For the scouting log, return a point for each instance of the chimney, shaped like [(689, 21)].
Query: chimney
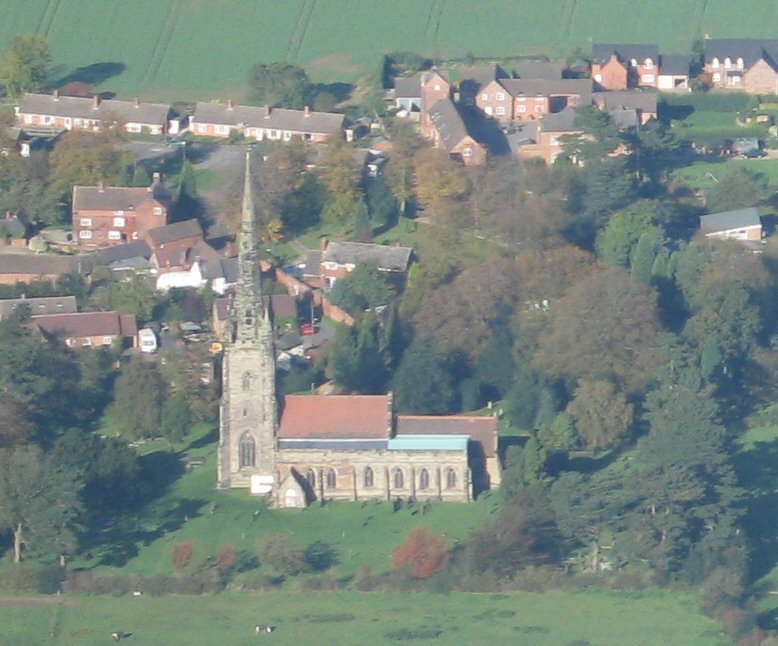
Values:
[(307, 111), (267, 111), (56, 95), (230, 104), (95, 102), (137, 101)]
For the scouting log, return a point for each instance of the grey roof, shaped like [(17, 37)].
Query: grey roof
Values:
[(326, 123), (283, 305), (546, 87), (288, 340), (626, 100), (176, 231), (675, 65), (407, 87), (42, 305), (750, 50), (478, 75), (334, 445), (83, 108), (226, 268), (625, 118), (388, 258), (563, 121), (538, 70), (121, 252), (727, 220), (625, 52), (110, 198), (312, 262), (44, 264), (448, 122)]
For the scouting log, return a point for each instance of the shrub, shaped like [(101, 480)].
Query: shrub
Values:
[(423, 554), (256, 581), (226, 559), (325, 583), (278, 552), (182, 554), (20, 577), (320, 556), (50, 579)]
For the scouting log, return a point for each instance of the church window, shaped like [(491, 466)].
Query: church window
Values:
[(332, 479), (451, 479), (246, 381), (368, 477), (246, 451), (398, 477), (310, 476), (424, 479)]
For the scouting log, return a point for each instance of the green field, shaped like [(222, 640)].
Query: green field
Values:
[(203, 48), (594, 617), (704, 174)]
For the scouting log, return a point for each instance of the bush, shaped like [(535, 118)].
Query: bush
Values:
[(226, 559), (90, 583), (320, 556), (423, 554), (259, 582), (50, 579), (278, 552), (182, 554), (325, 583), (19, 577), (713, 101)]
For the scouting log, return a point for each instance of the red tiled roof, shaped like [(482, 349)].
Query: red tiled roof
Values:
[(335, 417), (480, 428), (128, 324), (83, 324)]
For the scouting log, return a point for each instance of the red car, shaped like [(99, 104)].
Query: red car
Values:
[(306, 329)]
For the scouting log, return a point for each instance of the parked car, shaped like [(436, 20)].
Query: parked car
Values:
[(306, 329)]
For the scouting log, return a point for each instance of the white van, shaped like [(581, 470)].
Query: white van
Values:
[(148, 340)]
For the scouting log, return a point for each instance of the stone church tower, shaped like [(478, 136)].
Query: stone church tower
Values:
[(249, 411)]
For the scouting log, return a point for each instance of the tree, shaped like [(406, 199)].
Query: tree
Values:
[(278, 551), (135, 296), (560, 435), (38, 501), (25, 189), (136, 409), (176, 416), (363, 228), (617, 241), (423, 382), (26, 65), (441, 185), (340, 177), (601, 414), (362, 289), (82, 157), (422, 555), (644, 257), (737, 188), (280, 84), (381, 203), (400, 169), (356, 360)]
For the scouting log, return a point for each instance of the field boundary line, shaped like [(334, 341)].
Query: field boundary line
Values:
[(440, 9), (56, 5), (300, 30), (42, 20), (161, 44)]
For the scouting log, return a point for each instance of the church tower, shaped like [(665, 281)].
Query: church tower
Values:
[(249, 412)]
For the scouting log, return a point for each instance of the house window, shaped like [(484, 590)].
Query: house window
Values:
[(85, 234), (740, 63), (310, 476), (47, 119), (734, 79), (522, 108), (648, 63), (437, 87), (245, 381), (715, 63), (451, 479), (648, 78), (85, 222), (500, 110), (484, 97), (500, 96), (223, 130), (424, 479), (114, 235), (202, 128), (467, 152), (538, 108), (275, 134), (119, 222), (87, 340), (157, 210), (727, 62), (69, 342), (398, 478), (118, 212), (246, 451), (107, 340), (332, 479), (598, 77), (633, 62), (368, 478), (717, 78)]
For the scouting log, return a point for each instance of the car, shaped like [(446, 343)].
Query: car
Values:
[(306, 329)]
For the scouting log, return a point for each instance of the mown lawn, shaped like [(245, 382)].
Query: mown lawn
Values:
[(595, 617), (704, 174)]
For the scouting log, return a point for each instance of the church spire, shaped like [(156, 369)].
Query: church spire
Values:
[(248, 219)]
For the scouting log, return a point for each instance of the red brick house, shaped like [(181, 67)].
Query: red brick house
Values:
[(643, 104), (31, 267), (55, 112), (106, 216), (742, 64), (435, 87), (449, 131), (524, 99), (620, 67), (339, 259), (548, 141), (88, 329)]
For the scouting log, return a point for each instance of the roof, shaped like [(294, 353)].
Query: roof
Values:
[(478, 75), (538, 70), (644, 100), (283, 305), (87, 324), (226, 268), (563, 121), (326, 123), (738, 219), (750, 50), (428, 443), (675, 65), (407, 87), (625, 118), (312, 262), (388, 258), (123, 252), (448, 122), (40, 305), (548, 87), (175, 232), (334, 445), (109, 198), (624, 52), (222, 306), (481, 429), (43, 264), (83, 108), (335, 417)]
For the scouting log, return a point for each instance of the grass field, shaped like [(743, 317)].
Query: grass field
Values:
[(593, 617), (204, 48), (703, 174)]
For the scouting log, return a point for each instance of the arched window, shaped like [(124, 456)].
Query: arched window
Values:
[(727, 62), (310, 476), (398, 478), (451, 479), (246, 451), (331, 479), (368, 477), (714, 63), (424, 479), (245, 381), (740, 63), (648, 63)]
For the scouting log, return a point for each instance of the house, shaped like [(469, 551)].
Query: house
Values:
[(674, 72), (742, 64), (30, 267), (38, 305), (472, 79), (523, 99), (87, 329), (548, 142), (124, 259), (434, 86), (620, 67), (551, 71), (264, 123), (407, 95), (341, 258), (640, 105), (113, 215), (54, 112), (741, 224), (450, 132)]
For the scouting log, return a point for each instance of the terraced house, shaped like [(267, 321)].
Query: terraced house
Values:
[(742, 64)]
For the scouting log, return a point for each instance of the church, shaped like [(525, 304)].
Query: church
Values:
[(297, 449)]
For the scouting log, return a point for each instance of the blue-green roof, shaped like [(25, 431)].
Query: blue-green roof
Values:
[(428, 443)]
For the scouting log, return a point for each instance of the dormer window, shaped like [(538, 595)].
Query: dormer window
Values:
[(648, 63), (727, 62), (740, 63), (633, 62), (715, 63)]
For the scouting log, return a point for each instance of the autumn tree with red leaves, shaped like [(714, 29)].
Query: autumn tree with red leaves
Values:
[(423, 554)]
